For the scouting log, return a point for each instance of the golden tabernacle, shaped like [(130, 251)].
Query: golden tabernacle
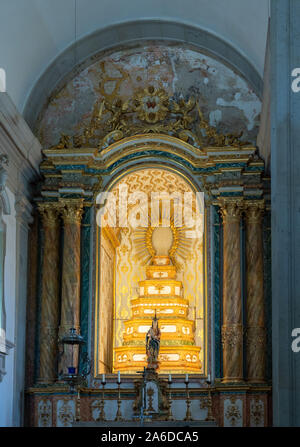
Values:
[(160, 293)]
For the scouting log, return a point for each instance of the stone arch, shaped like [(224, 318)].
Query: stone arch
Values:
[(103, 356), (128, 33)]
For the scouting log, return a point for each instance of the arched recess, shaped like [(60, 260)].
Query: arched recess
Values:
[(119, 270), (227, 171), (93, 46)]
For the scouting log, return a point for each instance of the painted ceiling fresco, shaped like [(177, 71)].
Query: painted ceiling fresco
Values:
[(225, 98)]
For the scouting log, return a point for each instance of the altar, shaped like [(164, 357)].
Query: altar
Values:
[(163, 224)]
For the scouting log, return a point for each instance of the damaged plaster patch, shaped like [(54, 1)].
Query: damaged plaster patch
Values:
[(225, 98), (249, 108), (215, 117)]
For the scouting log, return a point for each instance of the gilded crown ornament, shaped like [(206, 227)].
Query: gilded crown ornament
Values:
[(152, 104)]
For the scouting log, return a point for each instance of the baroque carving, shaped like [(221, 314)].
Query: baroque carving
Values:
[(44, 413), (150, 110), (233, 414), (254, 211), (232, 335), (49, 213), (71, 210), (65, 412), (255, 337), (231, 209), (257, 412)]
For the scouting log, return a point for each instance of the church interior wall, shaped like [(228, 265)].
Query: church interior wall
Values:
[(19, 165), (229, 100), (6, 403), (184, 71)]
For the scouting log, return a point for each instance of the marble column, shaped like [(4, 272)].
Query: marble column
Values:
[(255, 332), (71, 210), (285, 208), (50, 293), (232, 328)]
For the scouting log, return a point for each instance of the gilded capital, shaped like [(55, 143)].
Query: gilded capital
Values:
[(254, 210), (50, 213), (231, 208), (71, 210)]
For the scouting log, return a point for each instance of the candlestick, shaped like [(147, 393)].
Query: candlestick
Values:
[(209, 416), (102, 412), (119, 414), (77, 415), (170, 415), (188, 416)]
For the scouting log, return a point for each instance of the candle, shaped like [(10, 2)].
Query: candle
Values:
[(119, 377), (143, 398), (208, 377), (170, 378), (103, 378), (186, 377)]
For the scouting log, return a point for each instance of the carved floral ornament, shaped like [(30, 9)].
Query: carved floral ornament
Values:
[(70, 210), (231, 209), (150, 110)]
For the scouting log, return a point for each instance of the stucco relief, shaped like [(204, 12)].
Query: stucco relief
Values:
[(225, 98)]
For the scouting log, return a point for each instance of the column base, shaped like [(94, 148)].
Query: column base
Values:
[(232, 380), (258, 381), (46, 381)]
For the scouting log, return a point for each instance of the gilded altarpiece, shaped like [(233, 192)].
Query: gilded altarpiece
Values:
[(130, 268), (178, 140)]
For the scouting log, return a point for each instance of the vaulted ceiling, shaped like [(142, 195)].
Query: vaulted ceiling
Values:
[(36, 36)]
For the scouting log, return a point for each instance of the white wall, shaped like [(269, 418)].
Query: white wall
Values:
[(34, 32), (23, 153), (7, 384)]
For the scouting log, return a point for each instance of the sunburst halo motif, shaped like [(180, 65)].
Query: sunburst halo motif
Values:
[(179, 248), (151, 104)]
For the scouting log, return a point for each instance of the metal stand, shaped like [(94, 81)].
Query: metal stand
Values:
[(77, 412), (102, 412), (188, 416), (209, 416), (170, 415), (119, 417)]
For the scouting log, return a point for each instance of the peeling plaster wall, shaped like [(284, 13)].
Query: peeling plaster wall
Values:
[(224, 96)]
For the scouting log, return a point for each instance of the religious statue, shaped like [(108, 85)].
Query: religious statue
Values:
[(152, 344)]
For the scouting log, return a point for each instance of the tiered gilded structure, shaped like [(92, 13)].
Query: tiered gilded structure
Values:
[(163, 294)]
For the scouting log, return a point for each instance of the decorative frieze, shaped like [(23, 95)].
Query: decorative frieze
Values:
[(65, 412), (257, 412), (45, 413), (233, 412)]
